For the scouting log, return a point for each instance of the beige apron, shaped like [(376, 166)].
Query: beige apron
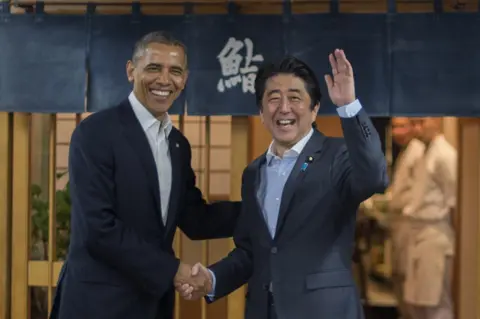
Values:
[(428, 277), (400, 230)]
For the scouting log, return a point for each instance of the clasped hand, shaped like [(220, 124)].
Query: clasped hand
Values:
[(193, 283)]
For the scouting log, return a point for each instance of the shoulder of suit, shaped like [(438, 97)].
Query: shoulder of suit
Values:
[(335, 146), (100, 119), (334, 142), (96, 127), (334, 139), (252, 167)]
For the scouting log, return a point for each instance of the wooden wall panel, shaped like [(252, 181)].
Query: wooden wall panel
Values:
[(5, 212), (249, 138), (467, 276), (20, 216), (330, 125), (216, 250), (241, 131)]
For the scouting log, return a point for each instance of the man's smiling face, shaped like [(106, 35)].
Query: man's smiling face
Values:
[(159, 74), (287, 109)]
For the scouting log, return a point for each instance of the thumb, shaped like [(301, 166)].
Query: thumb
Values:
[(196, 269), (329, 81)]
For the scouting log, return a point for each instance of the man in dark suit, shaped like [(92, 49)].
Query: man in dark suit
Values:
[(294, 237), (132, 184)]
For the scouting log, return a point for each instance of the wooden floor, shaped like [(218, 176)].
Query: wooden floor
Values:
[(381, 313), (380, 296), (382, 302)]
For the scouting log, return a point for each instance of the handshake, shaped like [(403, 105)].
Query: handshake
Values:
[(193, 283)]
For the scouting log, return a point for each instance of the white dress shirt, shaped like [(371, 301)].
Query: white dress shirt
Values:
[(434, 190), (157, 133), (431, 243), (402, 182)]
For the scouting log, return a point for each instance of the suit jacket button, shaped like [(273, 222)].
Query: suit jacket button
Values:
[(273, 250)]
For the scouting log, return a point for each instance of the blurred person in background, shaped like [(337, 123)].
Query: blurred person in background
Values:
[(430, 251), (399, 191)]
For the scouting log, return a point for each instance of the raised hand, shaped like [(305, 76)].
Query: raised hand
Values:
[(197, 285), (341, 87)]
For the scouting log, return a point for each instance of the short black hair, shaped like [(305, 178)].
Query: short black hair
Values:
[(288, 65), (160, 37)]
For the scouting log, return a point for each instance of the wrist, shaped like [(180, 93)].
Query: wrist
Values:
[(182, 270), (347, 102)]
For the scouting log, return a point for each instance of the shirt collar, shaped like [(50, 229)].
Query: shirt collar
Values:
[(146, 119), (291, 153)]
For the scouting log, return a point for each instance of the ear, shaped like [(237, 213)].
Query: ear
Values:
[(261, 115), (315, 112), (185, 79), (130, 68)]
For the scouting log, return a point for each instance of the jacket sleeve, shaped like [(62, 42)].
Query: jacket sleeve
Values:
[(108, 239), (359, 169), (201, 220)]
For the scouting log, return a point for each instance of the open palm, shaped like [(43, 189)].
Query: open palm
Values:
[(341, 87)]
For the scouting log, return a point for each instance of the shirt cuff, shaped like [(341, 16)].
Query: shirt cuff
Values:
[(211, 295), (349, 110)]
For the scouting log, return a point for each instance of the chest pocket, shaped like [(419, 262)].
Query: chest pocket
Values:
[(316, 185)]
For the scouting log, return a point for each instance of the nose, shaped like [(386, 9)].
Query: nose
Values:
[(162, 77), (284, 106)]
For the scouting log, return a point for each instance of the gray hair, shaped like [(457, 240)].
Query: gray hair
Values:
[(160, 37)]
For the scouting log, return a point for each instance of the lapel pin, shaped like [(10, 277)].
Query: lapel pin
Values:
[(176, 145), (304, 166)]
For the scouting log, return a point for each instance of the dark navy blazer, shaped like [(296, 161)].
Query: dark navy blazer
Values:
[(307, 264), (121, 263)]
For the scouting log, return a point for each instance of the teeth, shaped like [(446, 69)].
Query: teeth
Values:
[(285, 122), (160, 93)]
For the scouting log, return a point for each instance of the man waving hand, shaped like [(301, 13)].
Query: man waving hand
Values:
[(295, 232)]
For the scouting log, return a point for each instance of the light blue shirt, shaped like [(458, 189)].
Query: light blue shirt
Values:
[(274, 176), (157, 133), (275, 173)]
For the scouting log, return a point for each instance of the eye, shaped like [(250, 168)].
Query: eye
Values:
[(176, 72), (294, 98), (152, 69)]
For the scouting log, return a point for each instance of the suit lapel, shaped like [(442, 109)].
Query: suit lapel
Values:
[(313, 149), (176, 159), (138, 141)]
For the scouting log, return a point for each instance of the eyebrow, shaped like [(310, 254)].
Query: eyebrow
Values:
[(158, 65), (278, 91)]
